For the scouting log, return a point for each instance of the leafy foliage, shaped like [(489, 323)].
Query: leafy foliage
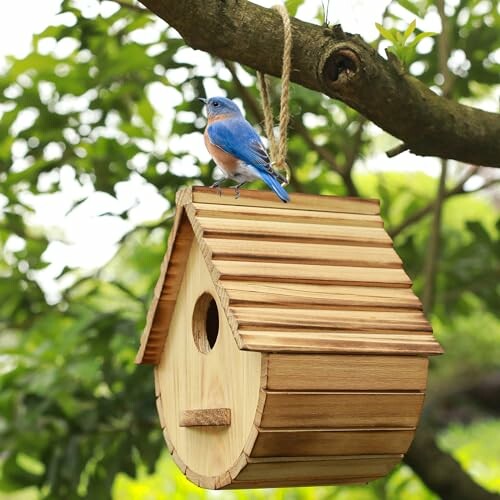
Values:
[(167, 479), (477, 448), (402, 47), (109, 99)]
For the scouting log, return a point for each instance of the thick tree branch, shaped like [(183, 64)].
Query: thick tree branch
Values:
[(463, 402), (442, 473), (324, 153), (344, 67)]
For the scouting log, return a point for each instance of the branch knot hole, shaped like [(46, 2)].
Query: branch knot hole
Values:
[(341, 65)]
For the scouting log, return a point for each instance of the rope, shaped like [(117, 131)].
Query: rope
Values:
[(268, 114), (278, 151)]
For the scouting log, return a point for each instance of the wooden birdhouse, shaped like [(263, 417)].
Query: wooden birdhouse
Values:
[(289, 348)]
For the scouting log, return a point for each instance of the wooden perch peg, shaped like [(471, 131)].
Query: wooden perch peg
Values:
[(210, 417)]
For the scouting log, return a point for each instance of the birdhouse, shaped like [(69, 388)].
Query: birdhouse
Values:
[(287, 344)]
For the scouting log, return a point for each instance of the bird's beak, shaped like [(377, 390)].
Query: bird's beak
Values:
[(202, 99)]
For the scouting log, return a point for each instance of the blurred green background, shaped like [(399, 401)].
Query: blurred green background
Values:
[(100, 125)]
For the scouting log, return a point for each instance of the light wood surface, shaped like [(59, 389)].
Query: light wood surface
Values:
[(165, 293), (277, 272), (256, 250), (324, 294), (298, 201), (284, 271), (294, 231), (189, 379), (323, 341), (344, 320), (319, 370), (280, 215)]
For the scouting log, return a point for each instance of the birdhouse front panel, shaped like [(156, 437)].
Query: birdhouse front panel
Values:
[(288, 344), (217, 376)]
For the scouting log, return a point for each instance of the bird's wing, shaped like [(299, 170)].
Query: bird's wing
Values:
[(238, 138)]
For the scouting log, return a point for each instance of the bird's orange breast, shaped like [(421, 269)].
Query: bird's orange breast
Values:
[(226, 161)]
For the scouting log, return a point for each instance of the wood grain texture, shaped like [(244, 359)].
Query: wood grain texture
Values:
[(330, 372), (315, 470), (257, 250), (165, 293), (284, 269), (205, 417), (189, 379), (294, 231), (332, 320), (324, 442), (278, 272), (280, 215), (323, 341), (298, 201), (333, 389), (324, 294), (292, 483), (341, 410), (159, 407)]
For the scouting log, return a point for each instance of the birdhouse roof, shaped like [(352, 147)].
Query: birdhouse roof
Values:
[(318, 274)]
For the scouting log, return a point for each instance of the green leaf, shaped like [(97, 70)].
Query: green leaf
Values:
[(420, 37), (388, 35), (412, 7), (409, 30), (292, 6)]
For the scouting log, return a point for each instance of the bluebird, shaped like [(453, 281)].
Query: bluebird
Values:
[(236, 147)]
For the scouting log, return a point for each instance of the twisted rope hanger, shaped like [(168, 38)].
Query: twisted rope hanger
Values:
[(278, 151)]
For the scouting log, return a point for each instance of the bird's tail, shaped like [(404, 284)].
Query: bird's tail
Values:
[(274, 184)]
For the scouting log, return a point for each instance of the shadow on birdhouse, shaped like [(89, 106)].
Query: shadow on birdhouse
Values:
[(289, 348)]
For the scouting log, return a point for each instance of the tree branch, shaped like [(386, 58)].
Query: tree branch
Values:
[(324, 153), (344, 67), (434, 243), (427, 209), (396, 150), (246, 96), (462, 401), (442, 473)]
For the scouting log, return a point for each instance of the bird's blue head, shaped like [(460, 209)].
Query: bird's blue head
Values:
[(219, 106)]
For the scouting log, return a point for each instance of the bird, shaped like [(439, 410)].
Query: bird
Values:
[(237, 149)]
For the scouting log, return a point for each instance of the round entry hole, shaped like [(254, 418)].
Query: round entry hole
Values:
[(205, 323)]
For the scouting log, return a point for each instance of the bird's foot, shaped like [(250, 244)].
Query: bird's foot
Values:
[(237, 190), (216, 185)]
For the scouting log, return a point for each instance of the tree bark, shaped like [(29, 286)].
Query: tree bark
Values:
[(344, 67), (440, 472), (463, 401)]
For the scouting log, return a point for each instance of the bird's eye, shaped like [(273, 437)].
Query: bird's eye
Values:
[(215, 103)]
